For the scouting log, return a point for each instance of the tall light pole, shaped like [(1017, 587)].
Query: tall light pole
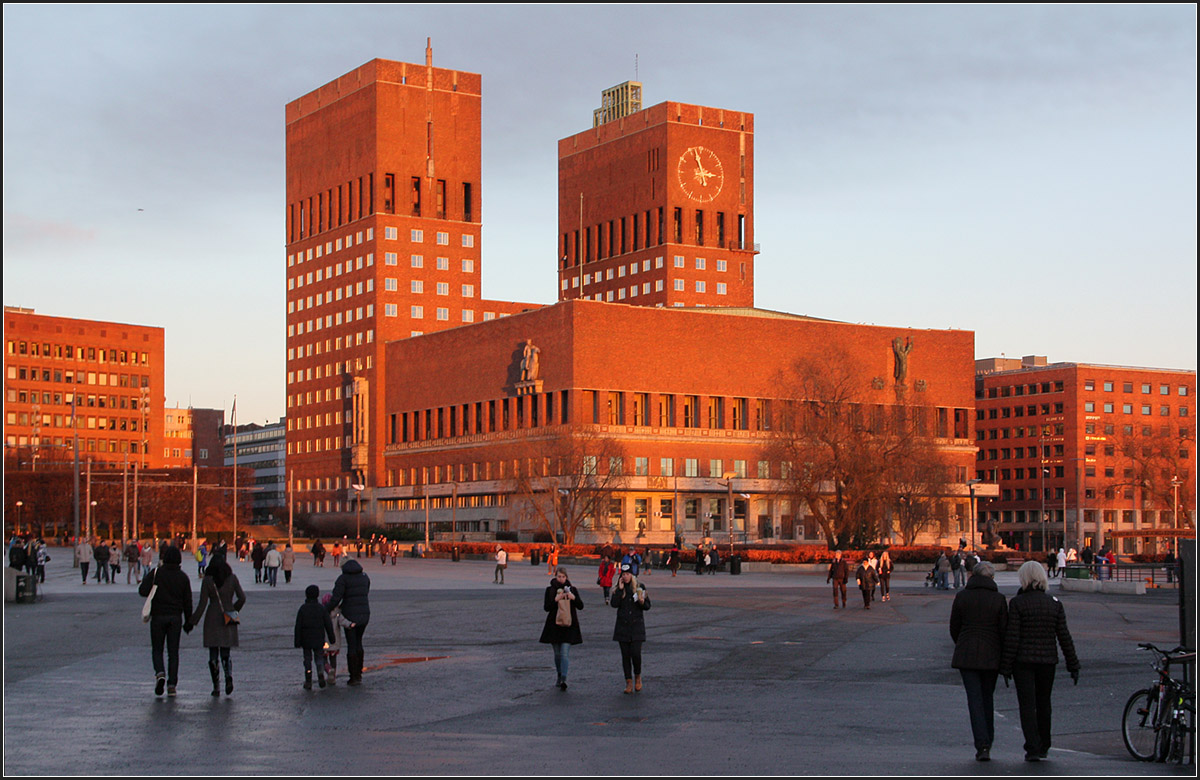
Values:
[(1175, 483), (17, 530), (971, 483), (358, 489)]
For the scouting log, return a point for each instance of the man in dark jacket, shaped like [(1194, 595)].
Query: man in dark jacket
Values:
[(351, 592), (170, 611), (867, 579), (257, 556), (977, 622), (101, 553), (313, 626), (839, 573)]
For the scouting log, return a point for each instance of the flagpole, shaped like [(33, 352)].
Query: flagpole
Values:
[(235, 503)]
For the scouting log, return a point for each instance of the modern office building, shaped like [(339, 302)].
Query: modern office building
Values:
[(1113, 445), (382, 227), (262, 449), (656, 205), (108, 376)]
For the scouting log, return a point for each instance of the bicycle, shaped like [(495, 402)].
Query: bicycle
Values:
[(1159, 722)]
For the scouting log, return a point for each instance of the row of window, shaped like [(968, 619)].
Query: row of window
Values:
[(83, 422), (339, 368), (47, 398), (100, 379), (85, 444), (329, 247), (1146, 409), (616, 237), (71, 352), (1127, 387)]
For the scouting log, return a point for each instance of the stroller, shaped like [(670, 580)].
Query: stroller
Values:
[(931, 577)]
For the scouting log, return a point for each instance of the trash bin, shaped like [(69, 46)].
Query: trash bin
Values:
[(534, 558), (735, 564), (26, 589), (1077, 573), (454, 555)]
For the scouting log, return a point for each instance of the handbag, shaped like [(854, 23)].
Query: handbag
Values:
[(232, 617), (150, 598)]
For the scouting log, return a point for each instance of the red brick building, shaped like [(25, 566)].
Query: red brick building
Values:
[(193, 437), (659, 206), (691, 396), (1113, 444), (113, 372), (382, 225)]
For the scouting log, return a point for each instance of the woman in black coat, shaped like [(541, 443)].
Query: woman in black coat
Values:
[(1037, 626), (977, 623), (220, 594), (351, 591), (630, 600), (562, 603)]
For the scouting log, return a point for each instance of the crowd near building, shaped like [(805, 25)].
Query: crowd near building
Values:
[(651, 402)]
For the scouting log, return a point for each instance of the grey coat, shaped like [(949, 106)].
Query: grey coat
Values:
[(217, 600)]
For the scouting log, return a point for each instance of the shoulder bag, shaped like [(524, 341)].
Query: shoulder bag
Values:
[(150, 598)]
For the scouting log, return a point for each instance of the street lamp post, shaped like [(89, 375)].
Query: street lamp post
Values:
[(358, 489), (971, 483), (1175, 483), (17, 530)]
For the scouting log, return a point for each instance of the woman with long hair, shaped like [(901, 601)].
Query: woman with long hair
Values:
[(221, 601), (631, 602), (885, 576), (562, 603)]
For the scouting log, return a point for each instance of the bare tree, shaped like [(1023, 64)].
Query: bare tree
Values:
[(1155, 461), (563, 477), (847, 455)]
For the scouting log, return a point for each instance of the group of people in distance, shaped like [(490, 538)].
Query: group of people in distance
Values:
[(871, 572)]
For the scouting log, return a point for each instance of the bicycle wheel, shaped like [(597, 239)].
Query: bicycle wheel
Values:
[(1137, 725)]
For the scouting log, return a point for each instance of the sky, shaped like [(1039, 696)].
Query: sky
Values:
[(1026, 172)]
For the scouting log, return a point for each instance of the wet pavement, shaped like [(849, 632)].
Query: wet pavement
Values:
[(750, 674)]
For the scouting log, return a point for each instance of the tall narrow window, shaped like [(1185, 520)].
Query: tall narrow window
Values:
[(441, 199), (678, 226), (416, 196), (389, 195), (468, 209), (699, 227), (721, 229)]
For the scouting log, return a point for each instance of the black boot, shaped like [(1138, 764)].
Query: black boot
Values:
[(228, 662), (354, 664), (215, 671)]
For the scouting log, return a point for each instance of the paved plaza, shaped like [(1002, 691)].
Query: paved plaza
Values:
[(750, 674)]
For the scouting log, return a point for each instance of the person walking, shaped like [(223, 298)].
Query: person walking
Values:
[(337, 554), (867, 578), (351, 592), (631, 602), (1052, 563), (943, 572), (221, 602), (101, 553), (201, 558), (318, 553), (562, 602), (145, 558), (839, 574), (885, 576), (1062, 561), (956, 568), (334, 648), (978, 619), (287, 562), (552, 560), (272, 560), (133, 562), (501, 565), (42, 556), (604, 577), (84, 554), (1037, 627), (170, 612), (313, 625), (257, 555)]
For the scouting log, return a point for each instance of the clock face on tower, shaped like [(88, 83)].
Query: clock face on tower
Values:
[(700, 174)]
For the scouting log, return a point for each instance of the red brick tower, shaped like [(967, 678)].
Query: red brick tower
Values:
[(659, 204), (383, 242)]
